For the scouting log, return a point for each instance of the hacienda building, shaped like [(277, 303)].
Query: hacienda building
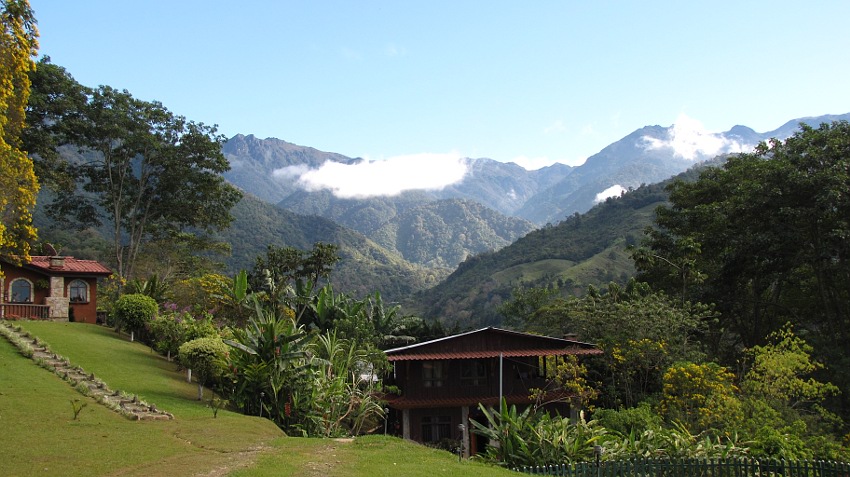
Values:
[(442, 382), (51, 288)]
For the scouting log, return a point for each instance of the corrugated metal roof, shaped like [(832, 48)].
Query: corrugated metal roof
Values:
[(489, 329), (71, 266), (512, 353)]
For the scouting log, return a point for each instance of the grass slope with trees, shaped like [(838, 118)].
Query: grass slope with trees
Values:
[(38, 416), (728, 344)]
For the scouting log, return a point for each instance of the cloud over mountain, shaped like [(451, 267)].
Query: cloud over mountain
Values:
[(689, 140), (388, 177), (614, 191)]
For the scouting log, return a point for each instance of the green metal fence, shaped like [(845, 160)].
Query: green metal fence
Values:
[(736, 467)]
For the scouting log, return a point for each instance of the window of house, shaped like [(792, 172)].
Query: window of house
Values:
[(433, 374), (473, 373), (78, 291), (436, 428), (21, 291)]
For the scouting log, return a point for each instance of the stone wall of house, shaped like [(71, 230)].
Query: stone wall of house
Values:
[(56, 299)]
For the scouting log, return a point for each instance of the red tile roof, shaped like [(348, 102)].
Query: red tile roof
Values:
[(71, 266)]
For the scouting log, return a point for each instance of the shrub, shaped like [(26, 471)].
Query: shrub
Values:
[(134, 311), (206, 357), (172, 328), (168, 333), (629, 420), (202, 327)]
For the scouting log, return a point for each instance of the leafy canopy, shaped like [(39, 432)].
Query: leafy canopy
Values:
[(18, 183), (141, 170)]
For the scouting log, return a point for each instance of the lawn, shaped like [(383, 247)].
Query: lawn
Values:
[(43, 438)]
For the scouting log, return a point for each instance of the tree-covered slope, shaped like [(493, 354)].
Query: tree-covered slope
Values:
[(583, 250), (443, 233), (364, 266), (365, 215)]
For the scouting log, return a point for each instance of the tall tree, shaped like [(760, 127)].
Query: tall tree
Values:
[(18, 184), (290, 277), (642, 332), (770, 230), (141, 170)]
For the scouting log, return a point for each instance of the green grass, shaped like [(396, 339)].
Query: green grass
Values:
[(41, 437), (367, 456)]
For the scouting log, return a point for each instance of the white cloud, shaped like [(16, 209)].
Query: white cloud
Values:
[(381, 178), (291, 172), (690, 140), (614, 191)]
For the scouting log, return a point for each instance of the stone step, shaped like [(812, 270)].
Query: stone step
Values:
[(118, 401)]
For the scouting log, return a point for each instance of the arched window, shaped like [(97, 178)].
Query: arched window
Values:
[(78, 291), (20, 290)]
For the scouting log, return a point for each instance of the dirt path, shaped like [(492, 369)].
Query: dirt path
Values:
[(326, 460)]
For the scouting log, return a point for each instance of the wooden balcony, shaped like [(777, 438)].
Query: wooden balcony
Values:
[(24, 311)]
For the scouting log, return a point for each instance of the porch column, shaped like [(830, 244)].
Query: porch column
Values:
[(405, 424), (575, 410), (56, 299), (464, 442)]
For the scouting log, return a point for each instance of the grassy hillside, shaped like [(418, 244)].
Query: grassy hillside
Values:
[(43, 439)]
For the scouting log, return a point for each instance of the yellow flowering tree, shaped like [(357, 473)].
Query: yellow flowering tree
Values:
[(18, 184), (780, 372), (700, 396), (636, 367), (203, 292)]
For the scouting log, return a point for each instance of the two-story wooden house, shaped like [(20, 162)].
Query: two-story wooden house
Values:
[(51, 287), (443, 381)]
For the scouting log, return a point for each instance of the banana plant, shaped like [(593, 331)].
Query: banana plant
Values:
[(269, 356)]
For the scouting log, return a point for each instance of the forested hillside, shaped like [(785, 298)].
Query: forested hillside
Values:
[(588, 249), (364, 266), (443, 233)]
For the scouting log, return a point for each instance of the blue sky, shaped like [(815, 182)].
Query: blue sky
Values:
[(530, 82)]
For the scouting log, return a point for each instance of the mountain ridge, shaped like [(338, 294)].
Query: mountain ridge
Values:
[(647, 155), (513, 196)]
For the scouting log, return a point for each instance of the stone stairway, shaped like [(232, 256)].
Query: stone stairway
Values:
[(85, 383)]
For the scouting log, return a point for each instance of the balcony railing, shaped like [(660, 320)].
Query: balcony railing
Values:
[(18, 311)]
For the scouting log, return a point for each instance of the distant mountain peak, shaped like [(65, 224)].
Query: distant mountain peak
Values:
[(648, 155), (688, 139)]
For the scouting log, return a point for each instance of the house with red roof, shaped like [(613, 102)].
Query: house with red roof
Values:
[(442, 382), (51, 288)]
